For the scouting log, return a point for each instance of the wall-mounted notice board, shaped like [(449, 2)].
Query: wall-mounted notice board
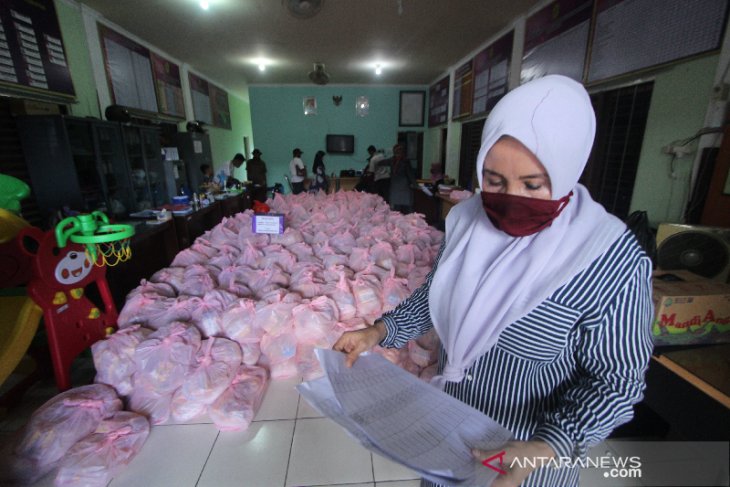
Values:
[(491, 73), (463, 91), (556, 40), (32, 55), (168, 86), (210, 103), (631, 35), (128, 70), (219, 107), (438, 102)]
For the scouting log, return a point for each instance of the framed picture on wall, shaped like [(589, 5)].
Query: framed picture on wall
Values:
[(412, 105)]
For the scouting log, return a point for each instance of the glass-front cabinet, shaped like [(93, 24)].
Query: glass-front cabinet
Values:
[(145, 166), (81, 164)]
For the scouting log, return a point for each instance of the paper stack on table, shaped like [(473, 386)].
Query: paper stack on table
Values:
[(393, 413)]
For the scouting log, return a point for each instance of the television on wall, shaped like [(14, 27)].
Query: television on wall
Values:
[(340, 144)]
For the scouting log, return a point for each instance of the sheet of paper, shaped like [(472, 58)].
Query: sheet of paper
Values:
[(397, 415)]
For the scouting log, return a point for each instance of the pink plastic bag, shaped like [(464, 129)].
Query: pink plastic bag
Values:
[(279, 348), (342, 295), (367, 294), (153, 288), (395, 290), (172, 276), (165, 358), (237, 406), (274, 317), (188, 257), (54, 428), (183, 409), (197, 281), (314, 321), (97, 458), (284, 370), (146, 401), (216, 364), (145, 309), (114, 358)]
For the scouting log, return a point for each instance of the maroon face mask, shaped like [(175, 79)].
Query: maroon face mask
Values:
[(520, 216)]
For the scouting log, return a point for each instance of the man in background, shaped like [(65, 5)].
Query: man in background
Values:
[(297, 172), (229, 170), (256, 173)]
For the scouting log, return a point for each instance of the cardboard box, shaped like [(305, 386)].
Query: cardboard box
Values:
[(272, 223), (690, 309)]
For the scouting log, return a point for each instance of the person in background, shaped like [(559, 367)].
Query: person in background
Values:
[(320, 181), (401, 181), (256, 173), (207, 171), (297, 172), (366, 183), (541, 299), (380, 167), (229, 170)]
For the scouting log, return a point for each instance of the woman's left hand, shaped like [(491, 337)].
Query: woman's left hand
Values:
[(514, 474)]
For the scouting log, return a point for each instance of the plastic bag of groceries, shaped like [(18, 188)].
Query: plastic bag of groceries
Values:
[(239, 403), (114, 358), (54, 428), (98, 457)]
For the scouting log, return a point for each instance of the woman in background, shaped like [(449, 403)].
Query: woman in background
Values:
[(541, 299), (319, 174)]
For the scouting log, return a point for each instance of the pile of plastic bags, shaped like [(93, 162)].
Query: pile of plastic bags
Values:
[(192, 337), (83, 432)]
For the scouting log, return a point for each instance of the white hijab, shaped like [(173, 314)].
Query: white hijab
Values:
[(486, 279)]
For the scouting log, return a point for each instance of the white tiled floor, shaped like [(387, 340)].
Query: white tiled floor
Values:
[(289, 444)]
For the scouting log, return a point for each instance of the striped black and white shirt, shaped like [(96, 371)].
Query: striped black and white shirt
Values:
[(568, 372)]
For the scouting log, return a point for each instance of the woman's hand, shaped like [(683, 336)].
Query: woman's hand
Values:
[(516, 449), (353, 343)]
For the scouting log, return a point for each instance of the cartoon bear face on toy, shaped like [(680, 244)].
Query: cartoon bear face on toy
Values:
[(58, 268)]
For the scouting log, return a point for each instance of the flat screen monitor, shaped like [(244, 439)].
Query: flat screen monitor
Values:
[(340, 144)]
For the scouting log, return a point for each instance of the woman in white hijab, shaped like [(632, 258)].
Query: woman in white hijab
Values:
[(541, 299)]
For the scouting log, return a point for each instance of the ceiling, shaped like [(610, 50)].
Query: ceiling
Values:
[(414, 41)]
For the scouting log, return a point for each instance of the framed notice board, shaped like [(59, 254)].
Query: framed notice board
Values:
[(438, 102), (219, 107), (128, 68), (167, 86), (491, 73), (556, 40), (210, 103), (463, 91), (32, 55), (631, 35)]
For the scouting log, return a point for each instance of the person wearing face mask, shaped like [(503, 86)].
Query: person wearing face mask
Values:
[(541, 299)]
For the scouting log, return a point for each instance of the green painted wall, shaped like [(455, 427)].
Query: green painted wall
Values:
[(77, 55), (225, 143), (678, 105), (279, 124)]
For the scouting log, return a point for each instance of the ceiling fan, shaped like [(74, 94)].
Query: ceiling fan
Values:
[(303, 9), (319, 76)]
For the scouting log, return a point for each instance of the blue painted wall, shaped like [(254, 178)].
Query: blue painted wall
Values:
[(279, 124)]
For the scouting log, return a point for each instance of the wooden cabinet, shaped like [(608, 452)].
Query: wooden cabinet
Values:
[(235, 204), (189, 227)]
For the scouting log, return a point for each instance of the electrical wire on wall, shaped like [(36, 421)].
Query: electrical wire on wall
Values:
[(676, 150)]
